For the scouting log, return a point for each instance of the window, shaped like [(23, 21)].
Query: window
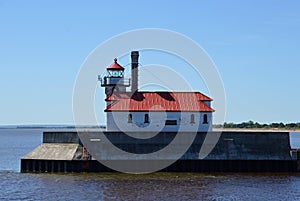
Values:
[(205, 119), (146, 118), (192, 118), (171, 122), (130, 118)]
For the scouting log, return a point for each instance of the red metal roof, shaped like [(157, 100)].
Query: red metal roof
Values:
[(115, 66), (159, 101)]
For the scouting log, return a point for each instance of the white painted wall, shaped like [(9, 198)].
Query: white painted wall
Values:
[(118, 121)]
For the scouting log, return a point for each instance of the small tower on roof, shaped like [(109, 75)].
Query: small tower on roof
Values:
[(114, 80)]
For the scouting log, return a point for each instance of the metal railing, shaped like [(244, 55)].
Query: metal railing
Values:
[(114, 81)]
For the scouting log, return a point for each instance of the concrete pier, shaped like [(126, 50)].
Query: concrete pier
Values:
[(62, 151)]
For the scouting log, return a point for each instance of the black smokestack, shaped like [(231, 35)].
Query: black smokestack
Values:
[(134, 70)]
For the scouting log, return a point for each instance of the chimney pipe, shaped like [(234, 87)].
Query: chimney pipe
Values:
[(134, 70)]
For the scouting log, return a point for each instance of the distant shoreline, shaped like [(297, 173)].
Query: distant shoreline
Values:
[(256, 130), (103, 127), (50, 127)]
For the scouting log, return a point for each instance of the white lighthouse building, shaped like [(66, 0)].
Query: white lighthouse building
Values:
[(147, 111)]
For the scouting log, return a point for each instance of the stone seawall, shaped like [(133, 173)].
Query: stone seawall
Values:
[(235, 151)]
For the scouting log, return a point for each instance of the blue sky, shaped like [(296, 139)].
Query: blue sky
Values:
[(254, 44)]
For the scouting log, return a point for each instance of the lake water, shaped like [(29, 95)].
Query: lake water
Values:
[(117, 186)]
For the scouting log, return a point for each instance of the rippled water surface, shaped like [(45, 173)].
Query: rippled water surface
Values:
[(116, 186)]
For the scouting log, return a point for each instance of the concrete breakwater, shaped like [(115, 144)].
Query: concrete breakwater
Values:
[(235, 151)]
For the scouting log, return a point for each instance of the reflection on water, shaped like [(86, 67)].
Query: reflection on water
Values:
[(117, 186)]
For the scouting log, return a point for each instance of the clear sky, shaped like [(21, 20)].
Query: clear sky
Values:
[(254, 44)]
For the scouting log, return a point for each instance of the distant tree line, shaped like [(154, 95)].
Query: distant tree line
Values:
[(251, 124)]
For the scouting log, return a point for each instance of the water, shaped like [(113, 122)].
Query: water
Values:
[(117, 186)]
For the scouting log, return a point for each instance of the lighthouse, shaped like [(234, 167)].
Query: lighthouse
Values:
[(114, 80), (140, 111)]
